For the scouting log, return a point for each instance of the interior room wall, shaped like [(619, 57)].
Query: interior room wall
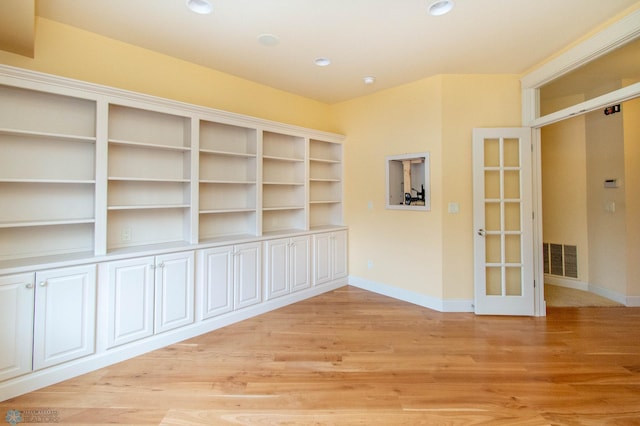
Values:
[(564, 189), (606, 206), (631, 119), (468, 101), (430, 253), (404, 247), (70, 52)]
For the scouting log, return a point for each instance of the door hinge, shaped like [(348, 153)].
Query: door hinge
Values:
[(534, 283)]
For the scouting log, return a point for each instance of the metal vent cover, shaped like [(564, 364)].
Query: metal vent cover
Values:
[(560, 260)]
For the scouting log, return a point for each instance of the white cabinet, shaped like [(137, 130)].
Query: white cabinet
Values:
[(16, 324), (64, 321), (329, 256), (286, 266), (247, 276), (229, 278), (149, 295)]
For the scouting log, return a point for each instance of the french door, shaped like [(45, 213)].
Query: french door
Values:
[(503, 222)]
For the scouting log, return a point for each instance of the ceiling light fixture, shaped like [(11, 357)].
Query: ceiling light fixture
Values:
[(268, 39), (202, 7), (322, 62), (369, 79), (440, 7)]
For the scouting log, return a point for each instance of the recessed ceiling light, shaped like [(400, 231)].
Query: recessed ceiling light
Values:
[(203, 7), (369, 79), (268, 39), (440, 7), (322, 62)]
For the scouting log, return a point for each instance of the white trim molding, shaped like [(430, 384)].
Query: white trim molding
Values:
[(440, 305)]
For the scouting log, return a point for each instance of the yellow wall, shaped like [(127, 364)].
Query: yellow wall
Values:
[(70, 52), (468, 101), (631, 117), (564, 188), (426, 252)]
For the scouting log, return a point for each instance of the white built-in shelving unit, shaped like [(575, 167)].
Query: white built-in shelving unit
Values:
[(130, 222), (100, 171)]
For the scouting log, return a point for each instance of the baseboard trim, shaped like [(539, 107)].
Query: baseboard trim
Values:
[(592, 288), (566, 282), (440, 305)]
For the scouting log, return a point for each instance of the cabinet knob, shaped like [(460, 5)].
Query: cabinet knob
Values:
[(161, 265), (43, 283), (29, 285)]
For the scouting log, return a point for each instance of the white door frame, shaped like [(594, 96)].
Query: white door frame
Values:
[(616, 35)]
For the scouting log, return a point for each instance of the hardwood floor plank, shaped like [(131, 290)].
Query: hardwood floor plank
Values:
[(351, 357)]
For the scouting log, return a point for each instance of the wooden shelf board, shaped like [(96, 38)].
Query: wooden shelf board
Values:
[(150, 207), (135, 179), (288, 159), (64, 181), (324, 160), (30, 223), (147, 145), (47, 135), (228, 154), (218, 211)]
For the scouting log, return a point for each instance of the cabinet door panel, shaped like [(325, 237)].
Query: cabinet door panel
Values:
[(247, 275), (299, 263), (174, 291), (64, 315), (321, 258), (340, 263), (16, 324), (130, 302), (216, 273), (276, 268)]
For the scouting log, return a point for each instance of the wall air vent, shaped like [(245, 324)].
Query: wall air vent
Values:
[(560, 260)]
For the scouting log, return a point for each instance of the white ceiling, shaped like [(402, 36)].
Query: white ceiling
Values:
[(396, 41)]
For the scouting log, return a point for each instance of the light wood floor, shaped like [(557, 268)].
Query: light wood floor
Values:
[(351, 357)]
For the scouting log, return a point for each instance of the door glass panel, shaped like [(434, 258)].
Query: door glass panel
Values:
[(494, 281), (512, 216), (492, 184), (491, 152), (492, 216), (511, 153), (493, 249), (513, 281), (512, 249), (512, 184)]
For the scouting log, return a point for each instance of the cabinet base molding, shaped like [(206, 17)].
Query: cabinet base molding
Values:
[(40, 379)]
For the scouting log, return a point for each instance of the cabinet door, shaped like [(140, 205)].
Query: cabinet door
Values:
[(247, 275), (299, 257), (16, 324), (174, 291), (340, 263), (130, 304), (216, 281), (65, 304), (321, 258), (276, 268)]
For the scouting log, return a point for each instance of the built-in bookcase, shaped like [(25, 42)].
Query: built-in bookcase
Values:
[(325, 184), (90, 171), (149, 176), (228, 186), (283, 183), (47, 174)]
